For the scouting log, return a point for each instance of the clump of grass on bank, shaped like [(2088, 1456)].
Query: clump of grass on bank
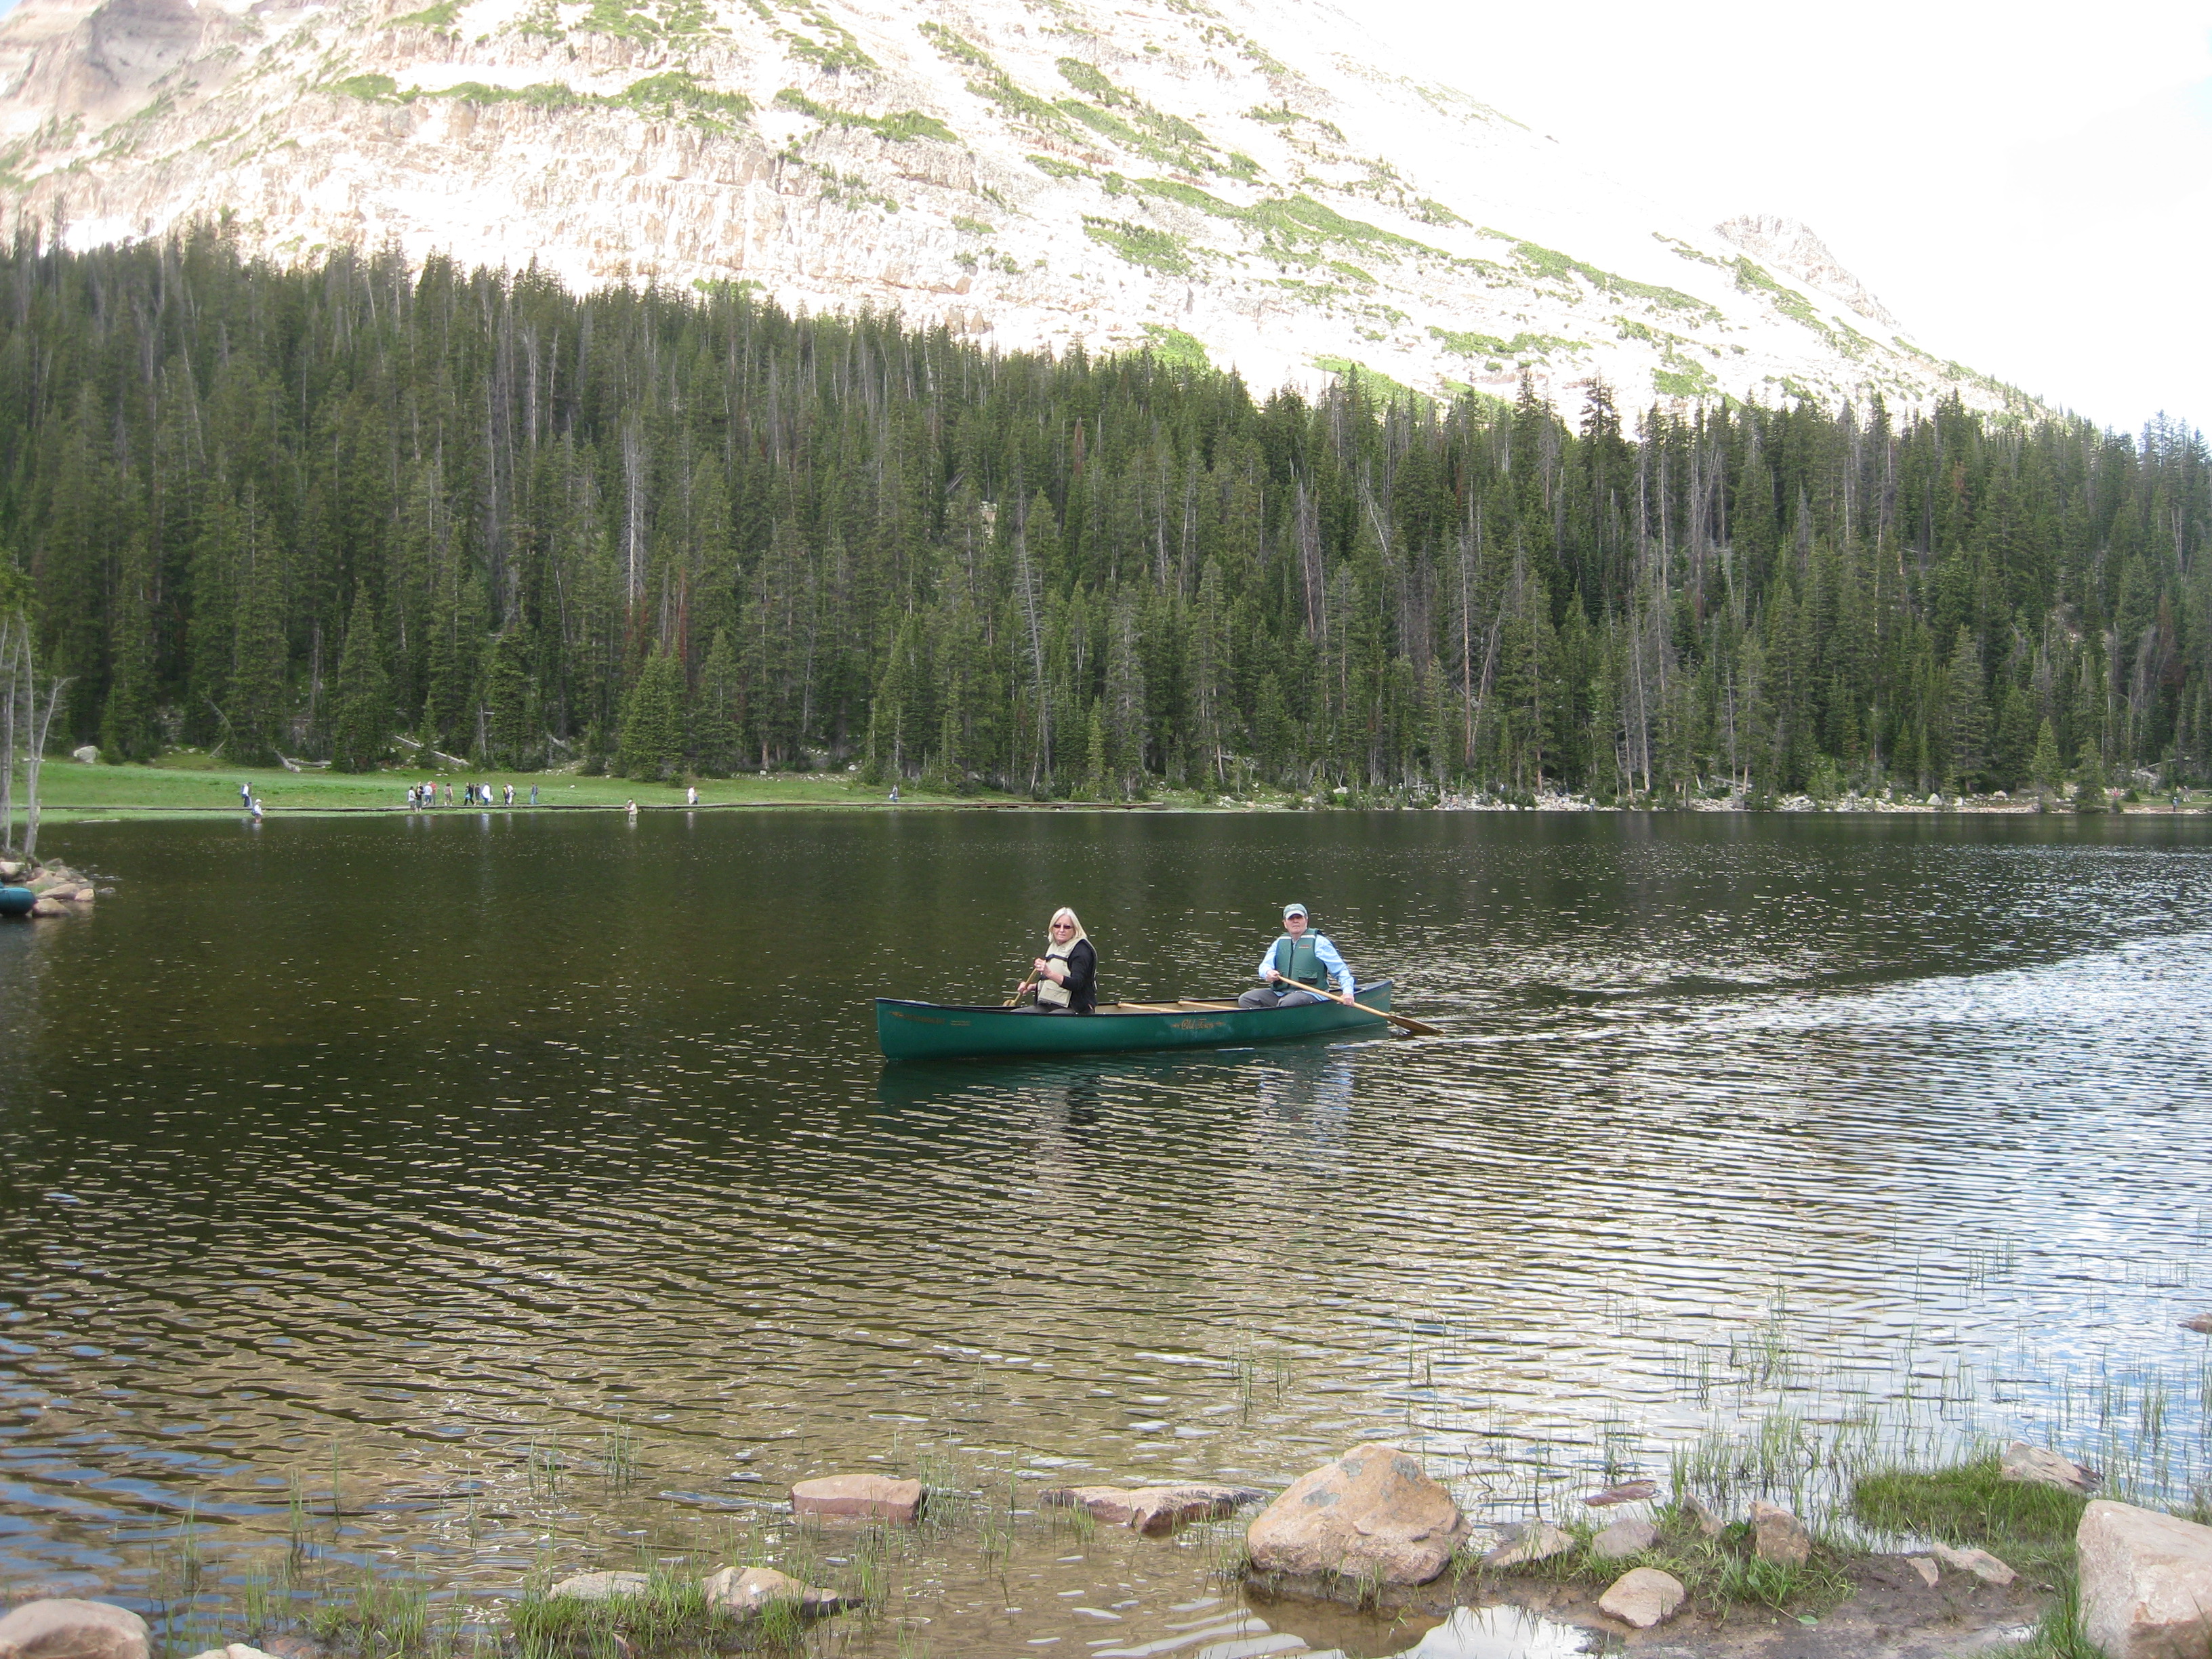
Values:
[(1970, 1503), (1719, 1574)]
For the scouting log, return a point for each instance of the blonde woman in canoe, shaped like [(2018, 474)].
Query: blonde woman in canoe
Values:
[(1067, 974)]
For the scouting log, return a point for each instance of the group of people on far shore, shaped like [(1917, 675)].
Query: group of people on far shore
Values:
[(1295, 970), (422, 796)]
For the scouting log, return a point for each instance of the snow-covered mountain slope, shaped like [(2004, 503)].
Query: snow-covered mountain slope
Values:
[(1224, 178)]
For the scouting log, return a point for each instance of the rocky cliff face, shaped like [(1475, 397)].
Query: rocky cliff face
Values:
[(1224, 181)]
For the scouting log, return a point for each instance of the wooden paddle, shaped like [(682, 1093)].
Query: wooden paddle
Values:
[(1017, 997), (1399, 1020)]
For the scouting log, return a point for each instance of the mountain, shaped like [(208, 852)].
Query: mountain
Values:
[(1228, 181)]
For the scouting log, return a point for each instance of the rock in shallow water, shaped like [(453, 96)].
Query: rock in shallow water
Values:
[(67, 1628), (235, 1650), (1152, 1509), (1642, 1598), (1373, 1511), (868, 1497), (601, 1586), (2146, 1583), (748, 1591), (1779, 1536), (1530, 1541), (1628, 1492)]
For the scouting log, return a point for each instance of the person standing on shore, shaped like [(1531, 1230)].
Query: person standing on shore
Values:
[(1297, 967), (245, 797), (533, 794)]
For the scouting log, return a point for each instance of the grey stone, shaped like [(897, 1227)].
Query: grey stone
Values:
[(1778, 1535), (1374, 1510), (66, 1629), (1695, 1511), (1979, 1563), (235, 1650), (2038, 1465), (1630, 1536), (747, 1590), (1641, 1597), (601, 1586), (2201, 1323), (89, 756), (1528, 1541), (2146, 1581)]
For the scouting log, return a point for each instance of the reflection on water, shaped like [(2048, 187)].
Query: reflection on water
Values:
[(532, 1185), (1502, 1633)]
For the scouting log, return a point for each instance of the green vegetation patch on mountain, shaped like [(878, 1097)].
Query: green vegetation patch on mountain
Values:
[(669, 96), (1551, 265), (1174, 347), (1296, 227), (1522, 348), (900, 126), (1751, 277), (1141, 244), (993, 84)]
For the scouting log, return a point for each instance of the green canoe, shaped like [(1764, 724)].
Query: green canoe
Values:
[(933, 1030)]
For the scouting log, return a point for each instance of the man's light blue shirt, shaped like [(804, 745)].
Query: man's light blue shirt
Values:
[(1329, 959)]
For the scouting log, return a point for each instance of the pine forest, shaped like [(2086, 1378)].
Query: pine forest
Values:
[(355, 512)]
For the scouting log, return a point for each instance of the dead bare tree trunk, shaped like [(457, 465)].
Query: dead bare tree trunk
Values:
[(12, 637), (34, 747)]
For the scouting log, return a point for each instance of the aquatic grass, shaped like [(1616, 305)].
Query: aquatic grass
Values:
[(378, 1612), (1968, 1502), (1717, 1573)]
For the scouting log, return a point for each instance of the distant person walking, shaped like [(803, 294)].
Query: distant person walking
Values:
[(245, 797), (1297, 967), (691, 796), (533, 794), (449, 792), (510, 795)]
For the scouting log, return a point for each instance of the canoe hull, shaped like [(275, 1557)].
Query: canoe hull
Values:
[(930, 1031)]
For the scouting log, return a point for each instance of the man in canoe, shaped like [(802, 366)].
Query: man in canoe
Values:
[(1297, 967), (1067, 974)]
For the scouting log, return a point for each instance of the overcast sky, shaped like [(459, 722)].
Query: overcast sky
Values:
[(2029, 190)]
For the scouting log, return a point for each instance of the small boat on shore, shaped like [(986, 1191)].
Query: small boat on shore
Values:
[(936, 1031)]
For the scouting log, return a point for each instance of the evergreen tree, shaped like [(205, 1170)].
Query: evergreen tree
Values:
[(2044, 768), (360, 728), (653, 720)]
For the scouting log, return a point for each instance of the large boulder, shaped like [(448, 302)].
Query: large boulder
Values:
[(1373, 1512), (1152, 1509), (2146, 1583), (867, 1497), (2038, 1467), (1642, 1598), (66, 1629), (747, 1591)]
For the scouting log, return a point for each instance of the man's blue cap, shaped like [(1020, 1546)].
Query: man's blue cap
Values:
[(1294, 909)]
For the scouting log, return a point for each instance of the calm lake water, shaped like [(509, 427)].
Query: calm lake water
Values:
[(534, 1180)]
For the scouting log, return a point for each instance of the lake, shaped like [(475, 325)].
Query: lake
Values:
[(533, 1183)]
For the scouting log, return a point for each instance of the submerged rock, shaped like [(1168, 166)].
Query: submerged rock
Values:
[(601, 1586), (1152, 1509), (2038, 1465), (1374, 1510), (1642, 1598), (67, 1628), (869, 1497), (746, 1591), (1628, 1492), (1779, 1536), (1529, 1540), (2146, 1583), (1630, 1536), (1979, 1563)]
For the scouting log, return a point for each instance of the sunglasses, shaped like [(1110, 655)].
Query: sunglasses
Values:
[(1057, 925)]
